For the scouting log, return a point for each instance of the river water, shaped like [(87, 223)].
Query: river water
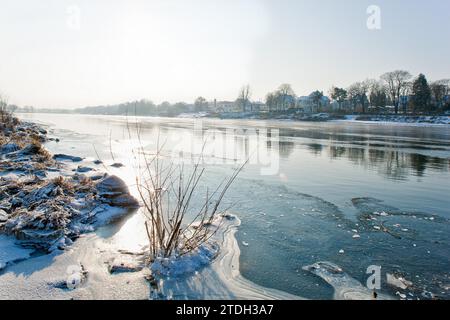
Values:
[(355, 194)]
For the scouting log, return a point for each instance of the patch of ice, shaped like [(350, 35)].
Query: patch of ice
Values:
[(398, 282), (345, 287), (10, 252)]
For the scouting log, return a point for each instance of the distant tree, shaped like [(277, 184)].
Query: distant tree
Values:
[(282, 99), (353, 96), (395, 82), (405, 94), (200, 104), (338, 94), (439, 92), (270, 101), (12, 108), (179, 108), (421, 94), (164, 108), (358, 94), (243, 99), (377, 95), (316, 98), (3, 108), (142, 108), (285, 96)]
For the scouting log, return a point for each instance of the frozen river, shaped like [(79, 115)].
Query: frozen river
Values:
[(354, 194)]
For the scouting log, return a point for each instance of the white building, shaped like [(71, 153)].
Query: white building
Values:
[(308, 105)]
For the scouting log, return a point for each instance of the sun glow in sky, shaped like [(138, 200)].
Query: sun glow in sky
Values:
[(59, 53)]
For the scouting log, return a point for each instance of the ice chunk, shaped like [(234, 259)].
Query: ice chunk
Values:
[(398, 282)]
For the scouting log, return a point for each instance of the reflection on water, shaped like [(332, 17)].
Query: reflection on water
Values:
[(394, 158)]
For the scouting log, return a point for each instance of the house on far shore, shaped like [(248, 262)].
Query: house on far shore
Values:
[(257, 106), (236, 106), (308, 105), (223, 106)]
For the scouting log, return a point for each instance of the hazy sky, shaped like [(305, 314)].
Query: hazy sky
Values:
[(58, 53)]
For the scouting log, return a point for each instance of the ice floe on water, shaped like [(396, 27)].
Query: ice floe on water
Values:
[(345, 287)]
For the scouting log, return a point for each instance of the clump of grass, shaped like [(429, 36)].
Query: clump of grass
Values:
[(63, 183), (167, 192), (40, 150), (7, 120), (86, 181)]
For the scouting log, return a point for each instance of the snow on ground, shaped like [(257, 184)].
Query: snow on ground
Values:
[(400, 119)]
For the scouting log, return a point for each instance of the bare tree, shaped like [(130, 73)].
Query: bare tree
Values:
[(405, 92), (377, 94), (244, 96), (200, 104), (3, 108), (439, 90), (286, 95), (352, 94), (396, 81), (358, 93)]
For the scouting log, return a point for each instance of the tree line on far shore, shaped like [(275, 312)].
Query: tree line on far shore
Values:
[(394, 92)]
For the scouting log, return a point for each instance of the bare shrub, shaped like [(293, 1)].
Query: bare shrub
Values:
[(167, 192)]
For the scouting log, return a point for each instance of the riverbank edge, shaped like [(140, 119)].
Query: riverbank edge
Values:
[(48, 200)]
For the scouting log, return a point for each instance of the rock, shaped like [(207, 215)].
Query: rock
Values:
[(30, 149), (124, 200), (97, 177), (83, 169), (65, 157), (77, 276), (3, 216), (117, 165), (5, 206), (115, 192), (9, 147), (111, 184), (40, 173), (124, 265), (401, 295)]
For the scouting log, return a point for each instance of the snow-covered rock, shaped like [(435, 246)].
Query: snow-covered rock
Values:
[(9, 147), (65, 157), (115, 192)]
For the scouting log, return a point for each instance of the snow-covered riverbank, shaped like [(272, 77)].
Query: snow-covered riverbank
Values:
[(47, 201), (401, 119)]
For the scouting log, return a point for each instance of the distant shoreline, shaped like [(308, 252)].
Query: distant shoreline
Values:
[(319, 117)]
